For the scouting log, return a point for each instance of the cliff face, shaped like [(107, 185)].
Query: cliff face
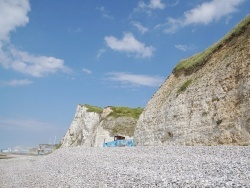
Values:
[(92, 126), (205, 104)]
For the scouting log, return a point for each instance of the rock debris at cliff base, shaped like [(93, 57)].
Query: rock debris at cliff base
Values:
[(131, 167)]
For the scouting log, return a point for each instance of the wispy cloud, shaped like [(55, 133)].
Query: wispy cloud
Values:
[(29, 125), (136, 80), (129, 44), (149, 7), (13, 14), (204, 13), (75, 30), (173, 4), (100, 52), (156, 4), (182, 47), (140, 27), (153, 4), (87, 71), (104, 12), (16, 82)]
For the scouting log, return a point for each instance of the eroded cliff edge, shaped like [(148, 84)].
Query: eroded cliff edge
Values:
[(206, 100), (92, 125)]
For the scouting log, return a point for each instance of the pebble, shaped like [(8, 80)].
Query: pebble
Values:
[(173, 166)]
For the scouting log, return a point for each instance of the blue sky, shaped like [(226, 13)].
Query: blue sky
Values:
[(57, 54)]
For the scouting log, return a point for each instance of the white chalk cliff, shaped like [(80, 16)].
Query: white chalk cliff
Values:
[(204, 104), (92, 129)]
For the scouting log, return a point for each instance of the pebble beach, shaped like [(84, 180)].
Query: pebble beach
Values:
[(220, 166)]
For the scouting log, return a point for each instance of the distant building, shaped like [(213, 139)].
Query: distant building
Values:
[(33, 151), (46, 149), (21, 150), (8, 150)]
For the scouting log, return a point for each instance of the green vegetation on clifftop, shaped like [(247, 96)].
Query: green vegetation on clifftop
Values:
[(95, 109), (201, 58), (117, 111), (126, 112)]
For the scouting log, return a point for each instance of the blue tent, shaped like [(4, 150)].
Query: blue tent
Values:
[(119, 143)]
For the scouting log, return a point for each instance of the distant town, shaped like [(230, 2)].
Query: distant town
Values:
[(42, 149)]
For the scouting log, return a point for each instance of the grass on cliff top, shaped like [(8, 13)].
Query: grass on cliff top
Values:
[(200, 58), (126, 112), (95, 109), (117, 111)]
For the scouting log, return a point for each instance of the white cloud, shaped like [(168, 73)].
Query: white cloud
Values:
[(104, 12), (156, 4), (87, 71), (141, 5), (100, 52), (4, 57), (16, 82), (205, 13), (211, 11), (140, 27), (181, 47), (135, 79), (129, 44), (172, 25), (13, 14), (149, 7), (37, 66), (153, 4)]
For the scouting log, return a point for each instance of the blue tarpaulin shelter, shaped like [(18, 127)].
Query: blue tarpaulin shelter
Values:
[(119, 143)]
